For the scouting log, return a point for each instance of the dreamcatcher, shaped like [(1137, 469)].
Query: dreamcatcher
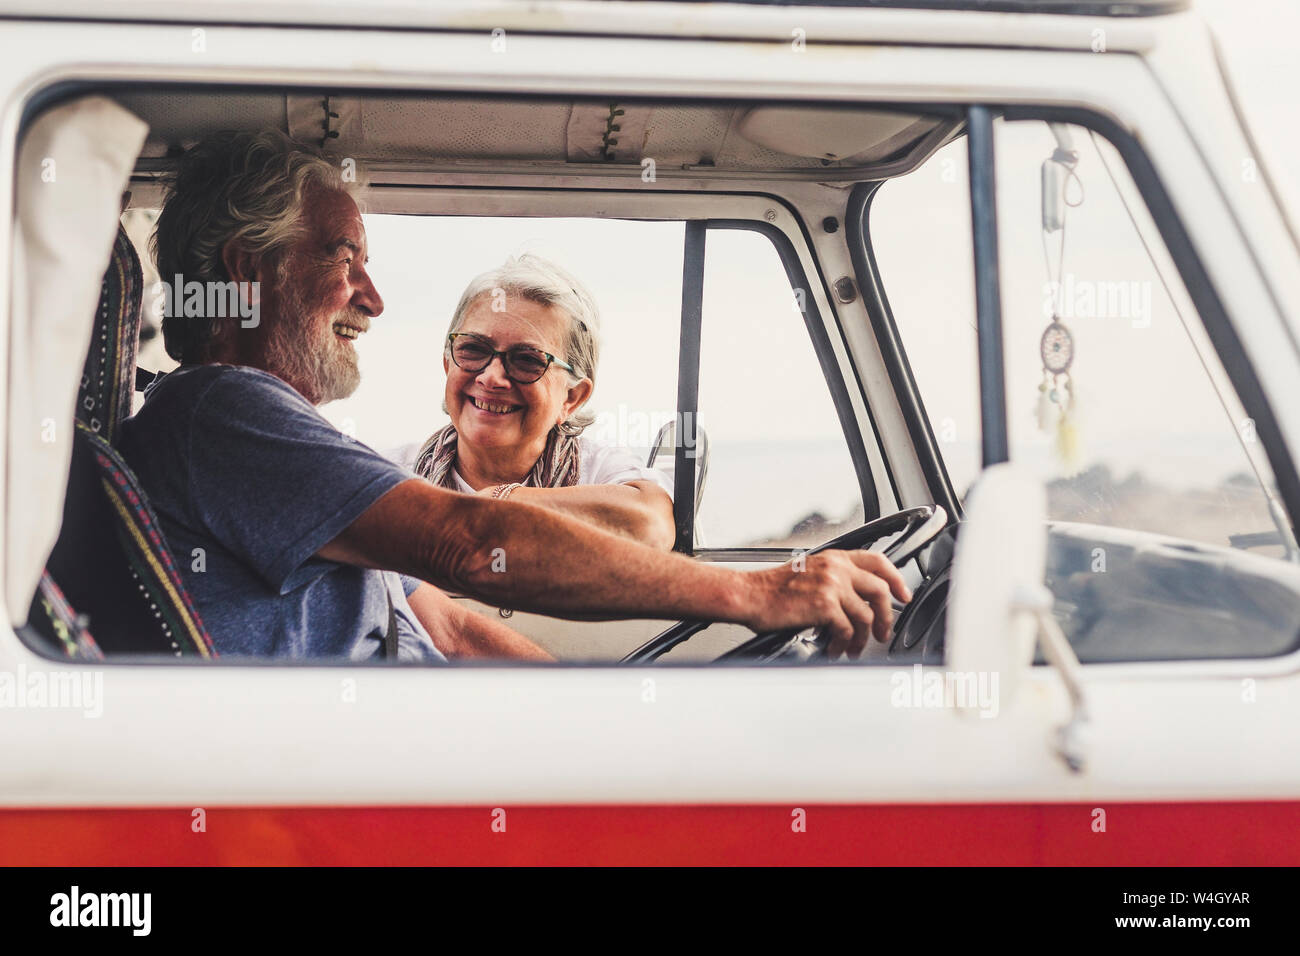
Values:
[(1058, 399)]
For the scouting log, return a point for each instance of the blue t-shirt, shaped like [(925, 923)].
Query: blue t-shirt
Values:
[(249, 481)]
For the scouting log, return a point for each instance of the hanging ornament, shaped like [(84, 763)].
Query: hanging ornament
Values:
[(1047, 412), (1067, 433), (1056, 348), (1056, 393), (1057, 406)]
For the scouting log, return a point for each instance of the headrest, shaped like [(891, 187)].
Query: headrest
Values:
[(108, 379)]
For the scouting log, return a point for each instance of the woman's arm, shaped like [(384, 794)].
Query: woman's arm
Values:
[(639, 510), (459, 633)]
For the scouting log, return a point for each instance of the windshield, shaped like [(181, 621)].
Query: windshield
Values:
[(1167, 538)]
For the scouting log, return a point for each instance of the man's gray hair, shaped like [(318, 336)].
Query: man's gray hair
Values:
[(539, 280), (243, 186)]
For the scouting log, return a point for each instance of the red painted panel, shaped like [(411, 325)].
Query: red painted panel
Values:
[(1178, 834)]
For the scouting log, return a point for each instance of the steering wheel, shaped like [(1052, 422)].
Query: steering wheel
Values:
[(914, 528)]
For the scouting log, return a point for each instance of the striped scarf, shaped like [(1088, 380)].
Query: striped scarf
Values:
[(557, 467)]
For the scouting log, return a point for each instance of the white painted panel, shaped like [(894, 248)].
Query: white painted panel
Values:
[(199, 735)]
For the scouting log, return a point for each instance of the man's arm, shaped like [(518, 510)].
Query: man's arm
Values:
[(460, 633), (639, 510), (519, 555)]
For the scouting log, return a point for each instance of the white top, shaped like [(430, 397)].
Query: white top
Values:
[(62, 241), (598, 464)]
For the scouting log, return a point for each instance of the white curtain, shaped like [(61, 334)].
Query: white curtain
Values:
[(73, 166)]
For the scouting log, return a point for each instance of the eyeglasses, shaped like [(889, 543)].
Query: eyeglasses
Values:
[(522, 363)]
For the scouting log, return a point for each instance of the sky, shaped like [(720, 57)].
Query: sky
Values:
[(1258, 40)]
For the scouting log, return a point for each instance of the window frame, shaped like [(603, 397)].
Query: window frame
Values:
[(815, 323), (885, 330), (1285, 474), (1211, 315), (1211, 312), (768, 214)]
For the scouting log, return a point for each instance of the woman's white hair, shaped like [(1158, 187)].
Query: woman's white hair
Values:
[(539, 280)]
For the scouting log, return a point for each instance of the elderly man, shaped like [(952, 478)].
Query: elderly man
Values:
[(300, 527)]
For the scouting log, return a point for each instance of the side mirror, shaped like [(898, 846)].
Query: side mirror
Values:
[(1000, 608), (663, 455), (1001, 557)]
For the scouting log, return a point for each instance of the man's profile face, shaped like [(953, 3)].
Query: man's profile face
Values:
[(321, 301)]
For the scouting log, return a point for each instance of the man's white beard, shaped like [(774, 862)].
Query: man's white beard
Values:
[(306, 353)]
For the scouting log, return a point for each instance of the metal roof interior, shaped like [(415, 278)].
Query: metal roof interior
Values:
[(861, 142)]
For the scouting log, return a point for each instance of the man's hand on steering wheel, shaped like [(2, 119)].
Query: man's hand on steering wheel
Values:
[(846, 593)]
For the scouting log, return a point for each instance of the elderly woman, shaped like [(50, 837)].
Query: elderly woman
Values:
[(520, 357)]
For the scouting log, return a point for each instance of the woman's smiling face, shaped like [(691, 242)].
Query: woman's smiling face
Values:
[(490, 410)]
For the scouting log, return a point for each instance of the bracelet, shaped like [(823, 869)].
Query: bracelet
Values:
[(502, 492)]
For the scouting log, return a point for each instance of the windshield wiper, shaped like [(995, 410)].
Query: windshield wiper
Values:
[(1265, 539)]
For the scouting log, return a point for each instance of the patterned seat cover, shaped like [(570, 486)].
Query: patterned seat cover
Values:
[(111, 563)]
